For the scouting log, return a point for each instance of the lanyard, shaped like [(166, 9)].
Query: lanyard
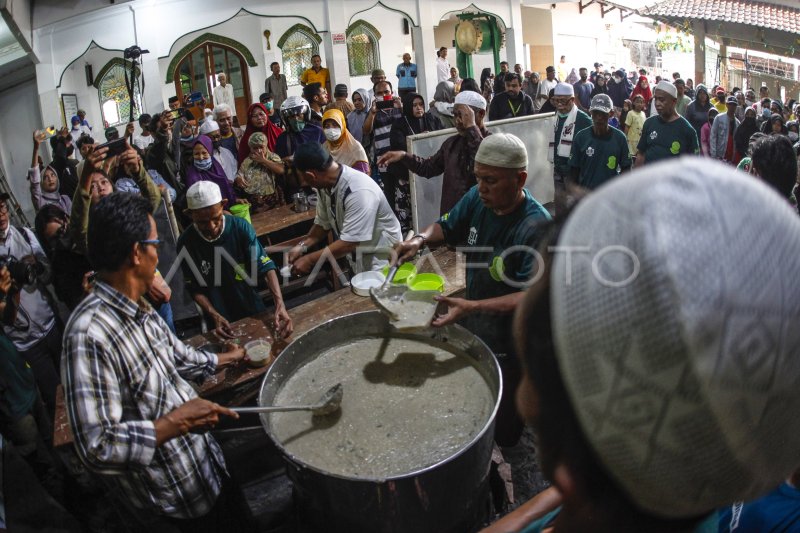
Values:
[(514, 111)]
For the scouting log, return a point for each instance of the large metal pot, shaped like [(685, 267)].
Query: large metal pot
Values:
[(447, 496)]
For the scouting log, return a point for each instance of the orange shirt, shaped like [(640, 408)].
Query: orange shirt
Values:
[(309, 76)]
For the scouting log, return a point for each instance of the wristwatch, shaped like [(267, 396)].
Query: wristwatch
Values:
[(303, 247), (421, 236)]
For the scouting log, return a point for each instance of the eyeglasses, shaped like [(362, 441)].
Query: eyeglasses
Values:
[(154, 242)]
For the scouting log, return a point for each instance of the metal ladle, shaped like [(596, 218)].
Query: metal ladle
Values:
[(330, 402)]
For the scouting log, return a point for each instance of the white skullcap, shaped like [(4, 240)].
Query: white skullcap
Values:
[(502, 150), (203, 194), (675, 330), (564, 89), (471, 98), (668, 88), (208, 126)]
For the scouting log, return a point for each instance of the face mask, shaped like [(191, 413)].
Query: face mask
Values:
[(202, 164), (766, 113), (297, 125), (268, 105), (793, 136), (617, 79), (188, 139), (333, 134)]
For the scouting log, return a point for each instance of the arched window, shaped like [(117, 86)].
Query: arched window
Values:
[(297, 46), (115, 102), (362, 48)]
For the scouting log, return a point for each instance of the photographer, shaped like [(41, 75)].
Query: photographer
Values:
[(29, 319)]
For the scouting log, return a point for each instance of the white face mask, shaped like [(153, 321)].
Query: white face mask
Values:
[(793, 136), (333, 134), (617, 79)]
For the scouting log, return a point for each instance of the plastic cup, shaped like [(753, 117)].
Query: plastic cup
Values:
[(241, 211)]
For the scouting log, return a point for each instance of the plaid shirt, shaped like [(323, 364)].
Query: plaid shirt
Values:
[(122, 369)]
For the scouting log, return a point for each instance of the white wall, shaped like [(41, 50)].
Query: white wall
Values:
[(20, 107), (165, 27)]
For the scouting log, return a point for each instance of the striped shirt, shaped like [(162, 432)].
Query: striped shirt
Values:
[(122, 369), (382, 129)]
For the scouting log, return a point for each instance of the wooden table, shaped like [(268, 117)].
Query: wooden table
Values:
[(268, 222), (240, 384)]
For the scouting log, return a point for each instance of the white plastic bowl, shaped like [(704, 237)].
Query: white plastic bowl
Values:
[(363, 282)]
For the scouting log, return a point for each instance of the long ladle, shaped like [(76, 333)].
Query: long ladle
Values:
[(330, 402)]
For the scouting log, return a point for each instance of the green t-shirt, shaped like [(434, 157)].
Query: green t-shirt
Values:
[(582, 121), (17, 383), (662, 140), (223, 270), (598, 158), (485, 238)]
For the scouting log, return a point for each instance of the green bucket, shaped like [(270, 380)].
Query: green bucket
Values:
[(241, 211)]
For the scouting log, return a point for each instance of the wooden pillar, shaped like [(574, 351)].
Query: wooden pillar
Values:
[(699, 30), (723, 64)]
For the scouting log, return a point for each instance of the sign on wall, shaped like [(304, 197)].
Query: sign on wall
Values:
[(69, 107), (339, 38)]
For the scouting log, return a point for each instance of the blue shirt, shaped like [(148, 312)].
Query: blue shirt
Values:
[(706, 526), (583, 93), (407, 76), (777, 511)]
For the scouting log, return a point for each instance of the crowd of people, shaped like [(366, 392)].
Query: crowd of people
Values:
[(106, 331)]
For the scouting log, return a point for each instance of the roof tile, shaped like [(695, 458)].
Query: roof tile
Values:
[(761, 14)]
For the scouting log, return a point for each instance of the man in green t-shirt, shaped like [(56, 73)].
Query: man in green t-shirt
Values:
[(497, 224), (598, 153), (219, 254), (570, 120), (667, 134)]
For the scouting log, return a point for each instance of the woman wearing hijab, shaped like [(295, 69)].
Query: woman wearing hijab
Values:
[(776, 125), (398, 188), (643, 88), (741, 139), (600, 86), (443, 99), (572, 77), (206, 168), (45, 189), (257, 120), (344, 149), (705, 131), (697, 111), (355, 119), (256, 178)]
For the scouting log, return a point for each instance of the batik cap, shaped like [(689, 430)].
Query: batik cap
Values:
[(675, 329)]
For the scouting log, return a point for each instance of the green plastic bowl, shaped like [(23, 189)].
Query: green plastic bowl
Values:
[(241, 211), (427, 282), (405, 274)]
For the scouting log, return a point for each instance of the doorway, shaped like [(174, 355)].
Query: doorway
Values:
[(197, 71)]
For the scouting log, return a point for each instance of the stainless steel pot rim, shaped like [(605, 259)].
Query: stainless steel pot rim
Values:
[(299, 463)]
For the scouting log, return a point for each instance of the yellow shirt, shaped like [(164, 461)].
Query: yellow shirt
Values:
[(722, 107), (309, 76)]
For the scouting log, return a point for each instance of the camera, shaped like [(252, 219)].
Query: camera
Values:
[(22, 273), (134, 52)]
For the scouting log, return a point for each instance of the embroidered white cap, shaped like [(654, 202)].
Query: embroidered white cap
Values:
[(564, 89), (675, 337), (471, 98), (668, 88), (208, 126), (203, 194), (502, 150)]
